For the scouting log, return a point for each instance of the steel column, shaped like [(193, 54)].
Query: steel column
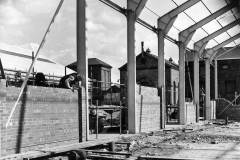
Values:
[(164, 25), (131, 61), (134, 9), (207, 90), (196, 84), (182, 109), (82, 70), (216, 78), (161, 77)]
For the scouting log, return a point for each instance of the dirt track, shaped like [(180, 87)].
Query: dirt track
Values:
[(206, 141)]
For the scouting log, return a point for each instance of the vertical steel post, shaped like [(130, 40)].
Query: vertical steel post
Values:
[(33, 60), (207, 89), (182, 108), (120, 118), (131, 59), (134, 8), (96, 127), (196, 84), (82, 71), (216, 78), (161, 77)]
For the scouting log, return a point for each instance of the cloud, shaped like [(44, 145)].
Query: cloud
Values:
[(9, 15), (40, 7)]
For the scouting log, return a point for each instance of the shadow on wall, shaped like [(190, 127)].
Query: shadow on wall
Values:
[(21, 121)]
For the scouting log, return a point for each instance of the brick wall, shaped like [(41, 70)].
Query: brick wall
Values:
[(45, 117), (147, 109)]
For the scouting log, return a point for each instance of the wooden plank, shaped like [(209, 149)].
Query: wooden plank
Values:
[(58, 150)]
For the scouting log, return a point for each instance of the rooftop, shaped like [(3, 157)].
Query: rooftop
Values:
[(91, 62)]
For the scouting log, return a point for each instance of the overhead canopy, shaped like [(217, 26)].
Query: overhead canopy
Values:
[(192, 15)]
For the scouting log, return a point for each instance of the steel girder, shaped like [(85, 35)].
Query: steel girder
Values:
[(200, 45), (212, 52), (224, 52), (166, 21), (186, 35), (134, 8), (164, 25)]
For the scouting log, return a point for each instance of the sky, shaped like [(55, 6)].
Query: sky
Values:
[(23, 23)]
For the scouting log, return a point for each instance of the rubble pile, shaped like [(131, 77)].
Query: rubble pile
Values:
[(169, 141)]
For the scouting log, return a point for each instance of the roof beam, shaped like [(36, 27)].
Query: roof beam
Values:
[(224, 52), (186, 35), (200, 45), (166, 21), (213, 51), (226, 42)]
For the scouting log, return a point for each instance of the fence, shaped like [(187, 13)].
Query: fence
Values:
[(15, 78)]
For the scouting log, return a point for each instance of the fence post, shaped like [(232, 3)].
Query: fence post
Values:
[(120, 118), (97, 119)]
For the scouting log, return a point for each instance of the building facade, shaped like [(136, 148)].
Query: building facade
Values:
[(147, 75), (99, 74)]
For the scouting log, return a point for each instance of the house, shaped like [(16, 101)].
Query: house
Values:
[(147, 74), (97, 71), (100, 74)]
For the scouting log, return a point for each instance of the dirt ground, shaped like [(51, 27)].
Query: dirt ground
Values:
[(207, 140)]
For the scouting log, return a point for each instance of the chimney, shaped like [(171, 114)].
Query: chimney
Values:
[(142, 45)]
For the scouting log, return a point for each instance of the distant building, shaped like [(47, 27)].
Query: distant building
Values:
[(147, 74), (98, 71), (100, 74)]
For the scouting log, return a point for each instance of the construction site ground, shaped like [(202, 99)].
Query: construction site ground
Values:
[(206, 140)]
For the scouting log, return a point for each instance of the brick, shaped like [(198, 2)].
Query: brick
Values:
[(50, 118)]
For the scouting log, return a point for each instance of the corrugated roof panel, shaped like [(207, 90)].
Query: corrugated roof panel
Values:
[(211, 44), (222, 37), (183, 22), (237, 41), (162, 9), (212, 26), (149, 17), (214, 5), (194, 11), (235, 30), (179, 2), (200, 33), (232, 44), (226, 18)]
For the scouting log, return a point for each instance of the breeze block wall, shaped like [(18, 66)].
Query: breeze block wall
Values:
[(45, 117), (147, 109), (190, 109)]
